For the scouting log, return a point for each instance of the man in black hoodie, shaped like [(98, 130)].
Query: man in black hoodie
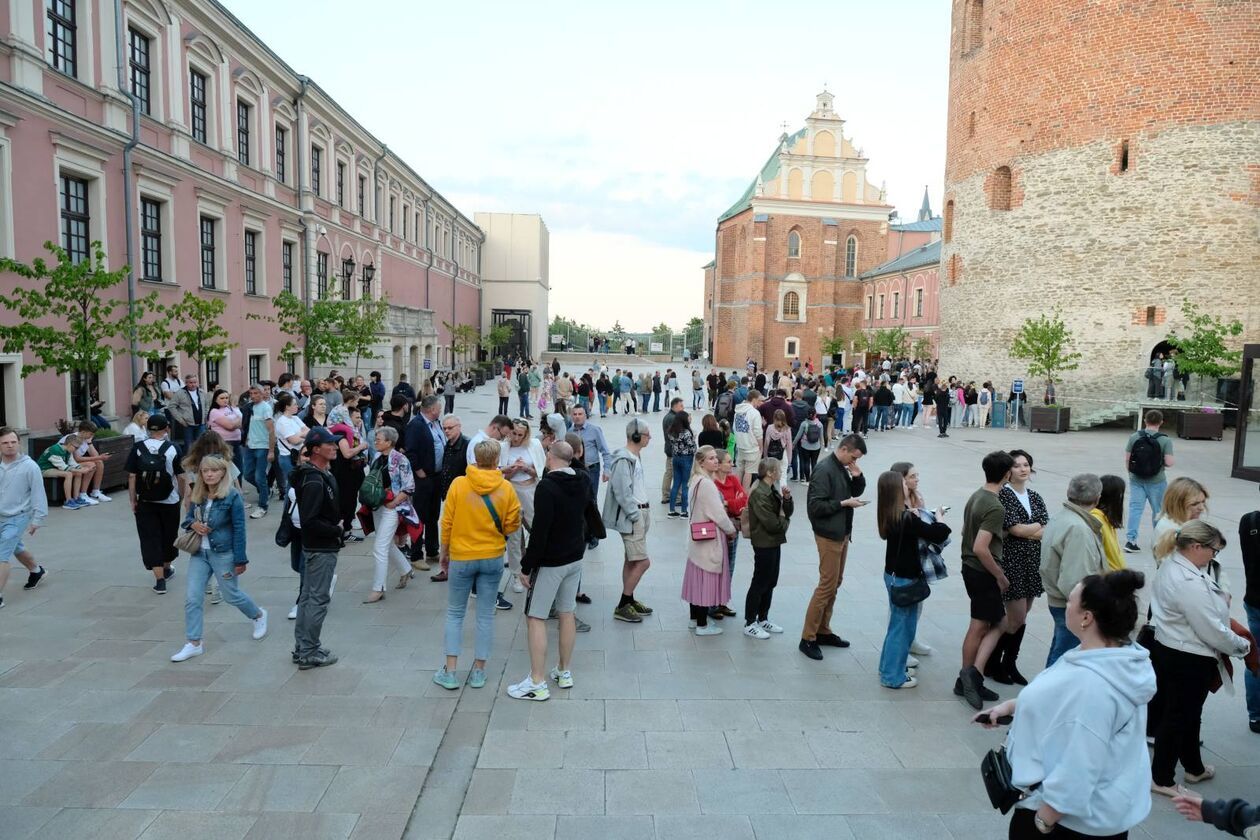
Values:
[(552, 567), (320, 514)]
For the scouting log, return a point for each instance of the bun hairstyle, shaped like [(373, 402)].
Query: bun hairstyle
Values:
[(1112, 599)]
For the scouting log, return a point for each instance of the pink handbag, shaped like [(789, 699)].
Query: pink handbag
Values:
[(704, 531)]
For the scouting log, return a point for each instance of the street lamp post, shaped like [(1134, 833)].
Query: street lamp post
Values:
[(347, 274)]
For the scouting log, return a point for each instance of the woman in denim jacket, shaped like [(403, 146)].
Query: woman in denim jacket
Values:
[(220, 520)]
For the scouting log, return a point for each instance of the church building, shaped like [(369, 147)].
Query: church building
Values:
[(791, 251)]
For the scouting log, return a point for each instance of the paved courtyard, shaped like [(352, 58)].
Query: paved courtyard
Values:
[(664, 734)]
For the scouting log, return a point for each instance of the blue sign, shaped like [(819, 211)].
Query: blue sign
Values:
[(1017, 387), (428, 365)]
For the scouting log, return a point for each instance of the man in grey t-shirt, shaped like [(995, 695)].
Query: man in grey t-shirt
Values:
[(1146, 488)]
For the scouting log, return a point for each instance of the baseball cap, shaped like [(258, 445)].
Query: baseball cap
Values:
[(318, 436), (156, 422)]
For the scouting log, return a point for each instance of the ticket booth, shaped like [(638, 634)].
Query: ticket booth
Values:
[(1247, 432)]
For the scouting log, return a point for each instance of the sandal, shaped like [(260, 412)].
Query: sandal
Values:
[(403, 579), (375, 597), (438, 578)]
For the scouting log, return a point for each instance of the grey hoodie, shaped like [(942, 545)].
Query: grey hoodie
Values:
[(22, 491), (620, 509)]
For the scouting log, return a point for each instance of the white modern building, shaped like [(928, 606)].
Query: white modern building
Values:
[(515, 278)]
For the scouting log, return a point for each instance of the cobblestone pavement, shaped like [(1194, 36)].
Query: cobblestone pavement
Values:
[(664, 734)]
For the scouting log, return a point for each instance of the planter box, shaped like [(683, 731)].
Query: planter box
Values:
[(1200, 425), (1049, 419), (479, 376)]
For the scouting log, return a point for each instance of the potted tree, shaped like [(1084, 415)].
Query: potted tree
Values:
[(1202, 352), (1045, 344)]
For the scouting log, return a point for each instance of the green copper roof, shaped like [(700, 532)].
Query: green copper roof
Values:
[(769, 172)]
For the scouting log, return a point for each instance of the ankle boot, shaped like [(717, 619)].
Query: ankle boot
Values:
[(995, 668), (1012, 654)]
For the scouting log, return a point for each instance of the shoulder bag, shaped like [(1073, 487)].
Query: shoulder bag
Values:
[(705, 530), (189, 541), (995, 770), (907, 595)]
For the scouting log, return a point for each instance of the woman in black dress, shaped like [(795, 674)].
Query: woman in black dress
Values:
[(1026, 517)]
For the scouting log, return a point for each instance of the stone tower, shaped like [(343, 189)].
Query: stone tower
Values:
[(790, 250), (1103, 156)]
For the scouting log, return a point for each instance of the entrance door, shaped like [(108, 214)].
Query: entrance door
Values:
[(1247, 433)]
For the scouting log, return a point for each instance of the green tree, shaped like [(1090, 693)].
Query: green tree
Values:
[(464, 337), (312, 329), (68, 321), (922, 350), (361, 324), (201, 338), (496, 337), (894, 342), (1204, 351), (1045, 343), (694, 336), (618, 332)]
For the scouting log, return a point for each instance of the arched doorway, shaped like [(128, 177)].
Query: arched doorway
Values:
[(413, 367), (1156, 387), (1162, 348)]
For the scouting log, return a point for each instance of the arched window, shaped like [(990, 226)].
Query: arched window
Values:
[(1000, 189), (791, 307), (794, 245), (850, 257)]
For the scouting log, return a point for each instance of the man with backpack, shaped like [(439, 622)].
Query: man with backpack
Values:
[(319, 510), (724, 406), (153, 486), (1146, 454)]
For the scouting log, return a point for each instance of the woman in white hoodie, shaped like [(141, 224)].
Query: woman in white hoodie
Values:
[(1078, 744)]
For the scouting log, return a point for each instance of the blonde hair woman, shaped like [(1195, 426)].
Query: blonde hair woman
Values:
[(1190, 611), (707, 578), (216, 513), (1184, 500), (137, 427)]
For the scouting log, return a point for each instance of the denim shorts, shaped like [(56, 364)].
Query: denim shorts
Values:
[(11, 531)]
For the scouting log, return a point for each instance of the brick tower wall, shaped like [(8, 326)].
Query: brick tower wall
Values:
[(1130, 137)]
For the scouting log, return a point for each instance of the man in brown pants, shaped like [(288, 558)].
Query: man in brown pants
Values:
[(833, 490)]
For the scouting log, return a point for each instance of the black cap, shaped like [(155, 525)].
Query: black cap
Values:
[(156, 422), (318, 436)]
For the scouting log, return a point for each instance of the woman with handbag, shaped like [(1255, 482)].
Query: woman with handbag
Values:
[(1190, 612), (903, 575), (768, 516), (348, 470), (398, 483), (1077, 747), (735, 499), (706, 579), (930, 553), (214, 537)]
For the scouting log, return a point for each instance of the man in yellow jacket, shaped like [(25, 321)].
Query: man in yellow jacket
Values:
[(481, 511)]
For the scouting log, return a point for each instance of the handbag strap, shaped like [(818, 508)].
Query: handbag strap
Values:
[(494, 514)]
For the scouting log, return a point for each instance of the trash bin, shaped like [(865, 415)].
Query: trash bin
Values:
[(998, 418)]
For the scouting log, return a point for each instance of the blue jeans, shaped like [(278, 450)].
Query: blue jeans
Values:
[(678, 489), (840, 420), (696, 398), (645, 398), (461, 577), (903, 622), (907, 414), (11, 530), (255, 472), (524, 403), (731, 544), (881, 417), (1251, 680), (201, 566), (1139, 494), (284, 466), (366, 411), (188, 434), (1064, 640)]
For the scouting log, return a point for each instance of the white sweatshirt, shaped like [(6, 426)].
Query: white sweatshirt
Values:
[(1080, 730)]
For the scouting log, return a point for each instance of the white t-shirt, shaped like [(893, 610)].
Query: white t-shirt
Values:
[(136, 432), (1023, 500), (287, 426), (79, 451), (638, 484), (522, 453), (471, 455)]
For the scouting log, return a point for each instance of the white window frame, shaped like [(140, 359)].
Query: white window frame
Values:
[(791, 347), (215, 207), (14, 392), (105, 391), (256, 225), (80, 160), (7, 247), (264, 367), (151, 28)]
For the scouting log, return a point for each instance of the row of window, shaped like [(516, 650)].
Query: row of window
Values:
[(873, 314), (850, 252), (144, 58)]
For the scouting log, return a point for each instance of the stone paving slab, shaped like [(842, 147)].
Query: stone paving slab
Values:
[(664, 735)]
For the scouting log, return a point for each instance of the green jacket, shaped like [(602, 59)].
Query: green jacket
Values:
[(768, 516)]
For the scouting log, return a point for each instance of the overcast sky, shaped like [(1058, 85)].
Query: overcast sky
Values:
[(629, 127)]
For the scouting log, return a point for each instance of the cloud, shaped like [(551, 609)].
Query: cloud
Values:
[(598, 278)]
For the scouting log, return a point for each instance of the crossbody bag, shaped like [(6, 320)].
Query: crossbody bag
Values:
[(704, 530)]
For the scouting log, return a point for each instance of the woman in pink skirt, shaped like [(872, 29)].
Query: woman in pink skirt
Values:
[(707, 579)]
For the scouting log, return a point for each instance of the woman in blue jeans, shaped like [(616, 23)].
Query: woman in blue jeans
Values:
[(901, 529), (217, 513), (481, 510), (682, 443)]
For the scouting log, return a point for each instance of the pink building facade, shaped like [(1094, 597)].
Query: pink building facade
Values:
[(904, 291), (246, 179)]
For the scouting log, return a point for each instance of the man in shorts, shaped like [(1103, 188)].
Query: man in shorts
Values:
[(982, 573), (626, 512), (747, 428), (551, 569), (23, 508), (57, 461)]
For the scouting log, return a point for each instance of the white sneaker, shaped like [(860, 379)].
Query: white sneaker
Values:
[(920, 649), (911, 662), (527, 689), (754, 631), (564, 679), (910, 682), (293, 613), (258, 513), (517, 586), (709, 630), (691, 624), (100, 497), (188, 651), (85, 499), (770, 627), (260, 624)]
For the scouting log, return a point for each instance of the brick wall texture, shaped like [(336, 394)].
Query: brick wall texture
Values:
[(1059, 89)]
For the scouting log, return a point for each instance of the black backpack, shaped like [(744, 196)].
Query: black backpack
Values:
[(774, 449), (1146, 457), (725, 407), (812, 433), (153, 482)]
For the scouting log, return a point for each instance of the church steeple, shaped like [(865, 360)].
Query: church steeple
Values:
[(925, 212)]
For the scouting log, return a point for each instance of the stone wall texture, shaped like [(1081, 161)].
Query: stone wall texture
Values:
[(1132, 135)]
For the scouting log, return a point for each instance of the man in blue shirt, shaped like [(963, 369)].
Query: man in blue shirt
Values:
[(595, 452), (260, 448)]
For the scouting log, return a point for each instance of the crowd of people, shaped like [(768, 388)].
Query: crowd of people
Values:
[(1136, 645)]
